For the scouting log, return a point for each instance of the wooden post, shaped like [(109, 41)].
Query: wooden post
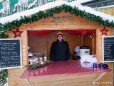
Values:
[(93, 44), (81, 39)]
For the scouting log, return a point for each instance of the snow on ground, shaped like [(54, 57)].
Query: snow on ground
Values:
[(52, 5)]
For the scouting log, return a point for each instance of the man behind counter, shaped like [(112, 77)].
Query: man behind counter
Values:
[(59, 49)]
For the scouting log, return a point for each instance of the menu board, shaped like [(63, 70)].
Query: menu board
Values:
[(10, 53), (108, 48)]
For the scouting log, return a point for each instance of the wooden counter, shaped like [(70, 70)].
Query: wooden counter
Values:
[(58, 69)]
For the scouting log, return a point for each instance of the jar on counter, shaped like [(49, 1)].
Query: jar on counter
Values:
[(41, 60), (45, 59)]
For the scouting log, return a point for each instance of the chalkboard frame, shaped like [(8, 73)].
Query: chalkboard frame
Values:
[(103, 48), (19, 39)]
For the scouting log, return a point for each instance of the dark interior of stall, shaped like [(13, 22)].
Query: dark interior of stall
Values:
[(40, 41)]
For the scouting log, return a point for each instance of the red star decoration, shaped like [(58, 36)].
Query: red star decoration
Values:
[(17, 33), (104, 31)]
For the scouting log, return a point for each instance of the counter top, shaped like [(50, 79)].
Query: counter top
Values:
[(61, 68)]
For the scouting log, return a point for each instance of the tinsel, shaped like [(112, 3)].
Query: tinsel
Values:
[(50, 12)]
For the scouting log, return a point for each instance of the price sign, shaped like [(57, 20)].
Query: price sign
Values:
[(108, 48), (10, 53)]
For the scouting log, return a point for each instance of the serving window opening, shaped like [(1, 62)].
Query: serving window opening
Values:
[(40, 41)]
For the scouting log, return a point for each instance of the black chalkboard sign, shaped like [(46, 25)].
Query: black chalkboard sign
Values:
[(108, 48), (10, 53)]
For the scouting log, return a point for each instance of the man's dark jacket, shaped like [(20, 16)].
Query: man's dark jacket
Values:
[(59, 51)]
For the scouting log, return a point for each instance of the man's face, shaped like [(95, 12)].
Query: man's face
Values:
[(60, 37)]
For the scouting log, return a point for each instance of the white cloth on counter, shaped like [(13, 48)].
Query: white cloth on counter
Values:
[(88, 58), (86, 64)]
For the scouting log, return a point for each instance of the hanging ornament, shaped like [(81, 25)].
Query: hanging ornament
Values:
[(104, 31), (17, 33)]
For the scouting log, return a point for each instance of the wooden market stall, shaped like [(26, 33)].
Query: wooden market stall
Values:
[(78, 23), (65, 22)]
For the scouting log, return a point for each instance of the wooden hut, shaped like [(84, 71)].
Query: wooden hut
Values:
[(79, 26)]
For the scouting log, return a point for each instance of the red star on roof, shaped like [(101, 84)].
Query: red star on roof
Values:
[(17, 33), (104, 31)]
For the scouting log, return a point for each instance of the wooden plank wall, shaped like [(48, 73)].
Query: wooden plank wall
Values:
[(109, 10), (65, 80)]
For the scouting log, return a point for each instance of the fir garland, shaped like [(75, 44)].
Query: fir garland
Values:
[(3, 35), (50, 12), (3, 77), (37, 65)]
